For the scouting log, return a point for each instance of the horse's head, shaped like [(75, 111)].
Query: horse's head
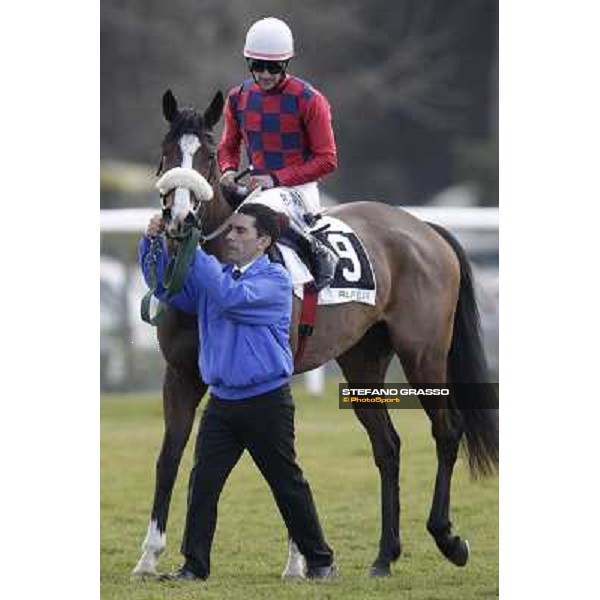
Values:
[(188, 162)]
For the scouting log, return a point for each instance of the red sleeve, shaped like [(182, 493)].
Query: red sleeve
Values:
[(228, 153), (320, 142)]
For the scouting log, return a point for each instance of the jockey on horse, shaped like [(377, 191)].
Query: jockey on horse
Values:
[(285, 125)]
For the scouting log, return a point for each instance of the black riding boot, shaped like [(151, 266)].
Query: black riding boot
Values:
[(320, 260), (324, 262)]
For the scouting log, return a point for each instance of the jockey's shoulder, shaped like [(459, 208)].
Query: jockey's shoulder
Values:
[(292, 85), (301, 87), (245, 85)]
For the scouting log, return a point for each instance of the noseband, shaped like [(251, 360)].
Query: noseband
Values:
[(194, 218)]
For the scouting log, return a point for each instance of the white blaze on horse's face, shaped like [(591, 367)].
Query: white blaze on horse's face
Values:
[(189, 145), (182, 204)]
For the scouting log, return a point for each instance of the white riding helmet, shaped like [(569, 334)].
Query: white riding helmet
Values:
[(269, 39)]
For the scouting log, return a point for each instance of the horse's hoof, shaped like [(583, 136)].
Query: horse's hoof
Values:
[(377, 570), (460, 554), (145, 569), (293, 575), (139, 575), (296, 564), (294, 570)]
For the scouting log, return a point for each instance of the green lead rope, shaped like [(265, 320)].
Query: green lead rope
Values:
[(175, 274)]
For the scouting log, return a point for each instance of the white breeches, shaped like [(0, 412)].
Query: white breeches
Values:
[(292, 201), (310, 196)]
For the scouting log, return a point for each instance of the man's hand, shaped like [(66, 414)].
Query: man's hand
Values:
[(155, 227), (227, 179), (263, 181)]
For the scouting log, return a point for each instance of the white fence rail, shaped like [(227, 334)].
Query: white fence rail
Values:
[(132, 220)]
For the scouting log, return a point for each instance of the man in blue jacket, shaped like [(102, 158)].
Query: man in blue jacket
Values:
[(244, 312)]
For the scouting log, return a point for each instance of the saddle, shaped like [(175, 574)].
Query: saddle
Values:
[(235, 194)]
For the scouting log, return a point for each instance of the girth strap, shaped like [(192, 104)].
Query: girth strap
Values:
[(308, 317)]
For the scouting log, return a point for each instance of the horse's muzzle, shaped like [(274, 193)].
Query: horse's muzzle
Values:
[(178, 229)]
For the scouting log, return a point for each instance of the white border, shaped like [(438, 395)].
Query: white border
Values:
[(549, 259), (49, 442)]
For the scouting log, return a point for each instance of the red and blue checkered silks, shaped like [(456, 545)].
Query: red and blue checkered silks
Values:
[(287, 131)]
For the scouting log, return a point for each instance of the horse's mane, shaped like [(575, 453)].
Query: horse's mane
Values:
[(187, 121)]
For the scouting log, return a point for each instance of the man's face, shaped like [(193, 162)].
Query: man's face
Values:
[(261, 71), (267, 81), (242, 243)]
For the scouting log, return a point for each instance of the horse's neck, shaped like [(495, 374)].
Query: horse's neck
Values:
[(218, 212)]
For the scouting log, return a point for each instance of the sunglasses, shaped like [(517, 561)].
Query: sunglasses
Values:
[(272, 66)]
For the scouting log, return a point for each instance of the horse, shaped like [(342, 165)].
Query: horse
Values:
[(425, 313)]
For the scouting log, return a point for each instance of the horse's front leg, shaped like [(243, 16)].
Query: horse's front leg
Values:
[(182, 391), (295, 567)]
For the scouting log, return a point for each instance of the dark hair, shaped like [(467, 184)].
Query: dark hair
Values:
[(266, 220)]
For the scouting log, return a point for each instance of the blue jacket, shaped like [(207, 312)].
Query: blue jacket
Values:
[(244, 324)]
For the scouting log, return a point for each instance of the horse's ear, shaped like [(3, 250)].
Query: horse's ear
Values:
[(169, 106), (213, 113)]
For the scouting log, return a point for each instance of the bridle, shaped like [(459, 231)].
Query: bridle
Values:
[(195, 218), (188, 240)]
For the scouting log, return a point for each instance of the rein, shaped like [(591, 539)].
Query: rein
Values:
[(175, 273), (179, 265), (196, 220), (212, 171), (219, 230)]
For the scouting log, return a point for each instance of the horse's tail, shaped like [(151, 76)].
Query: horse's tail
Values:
[(478, 401)]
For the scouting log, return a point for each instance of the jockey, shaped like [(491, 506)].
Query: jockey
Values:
[(285, 125)]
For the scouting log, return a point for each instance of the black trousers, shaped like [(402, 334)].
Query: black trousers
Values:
[(264, 425)]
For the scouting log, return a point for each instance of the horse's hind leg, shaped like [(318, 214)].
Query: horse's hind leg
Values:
[(447, 437), (367, 362), (429, 367), (182, 391)]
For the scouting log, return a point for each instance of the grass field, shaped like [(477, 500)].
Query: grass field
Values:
[(249, 552)]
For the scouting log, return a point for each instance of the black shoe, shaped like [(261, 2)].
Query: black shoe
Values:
[(328, 572), (182, 574), (326, 261)]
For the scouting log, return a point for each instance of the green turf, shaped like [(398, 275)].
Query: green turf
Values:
[(250, 544)]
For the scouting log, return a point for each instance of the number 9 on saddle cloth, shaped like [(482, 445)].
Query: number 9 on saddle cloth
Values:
[(301, 205)]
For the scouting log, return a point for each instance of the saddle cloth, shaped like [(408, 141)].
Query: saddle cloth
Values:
[(354, 279)]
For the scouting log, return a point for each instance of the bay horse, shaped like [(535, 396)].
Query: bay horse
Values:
[(425, 313)]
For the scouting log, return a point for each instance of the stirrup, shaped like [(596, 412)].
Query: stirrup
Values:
[(310, 219)]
